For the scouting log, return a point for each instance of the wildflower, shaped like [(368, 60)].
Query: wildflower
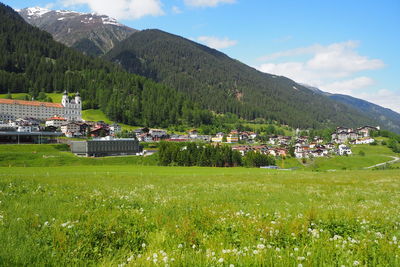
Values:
[(255, 252), (194, 246), (260, 246), (356, 263), (296, 249), (180, 246), (278, 249), (221, 260), (301, 258), (129, 259), (231, 265), (300, 265), (143, 245)]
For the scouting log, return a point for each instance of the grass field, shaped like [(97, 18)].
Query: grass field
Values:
[(373, 155), (98, 115), (158, 216), (59, 155)]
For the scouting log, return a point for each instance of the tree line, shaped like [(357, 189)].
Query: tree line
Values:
[(198, 154)]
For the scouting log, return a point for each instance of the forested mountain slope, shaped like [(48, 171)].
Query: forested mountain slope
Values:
[(385, 117), (223, 84), (90, 33), (31, 61)]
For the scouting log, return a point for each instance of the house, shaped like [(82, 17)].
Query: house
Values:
[(344, 150), (193, 133), (145, 137), (158, 133), (24, 128), (232, 138), (218, 138), (115, 128), (364, 140), (100, 131), (71, 129), (365, 131), (55, 121)]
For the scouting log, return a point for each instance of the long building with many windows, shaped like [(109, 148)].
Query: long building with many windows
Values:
[(71, 110)]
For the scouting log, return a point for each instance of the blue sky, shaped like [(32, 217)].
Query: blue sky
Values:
[(341, 46)]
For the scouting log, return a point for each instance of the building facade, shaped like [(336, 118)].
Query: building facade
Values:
[(102, 148), (71, 110)]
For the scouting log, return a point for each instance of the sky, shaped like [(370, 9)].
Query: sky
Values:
[(342, 46)]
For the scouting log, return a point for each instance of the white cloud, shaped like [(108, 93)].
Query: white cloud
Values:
[(121, 9), (324, 66), (385, 98), (348, 86), (215, 42), (332, 68), (176, 10), (207, 3)]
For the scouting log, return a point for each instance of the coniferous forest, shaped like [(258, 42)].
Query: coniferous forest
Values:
[(32, 62)]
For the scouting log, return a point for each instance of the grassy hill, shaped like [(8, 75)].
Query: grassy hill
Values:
[(373, 155), (144, 216)]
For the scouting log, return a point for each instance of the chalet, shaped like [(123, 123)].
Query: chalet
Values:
[(218, 138), (145, 137), (100, 131), (232, 138), (56, 121), (115, 128), (158, 133), (365, 131), (71, 129), (361, 141), (344, 150)]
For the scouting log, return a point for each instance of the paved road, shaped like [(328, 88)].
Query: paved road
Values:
[(395, 159)]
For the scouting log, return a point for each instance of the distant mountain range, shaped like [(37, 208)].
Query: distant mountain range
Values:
[(207, 76), (386, 118), (90, 33)]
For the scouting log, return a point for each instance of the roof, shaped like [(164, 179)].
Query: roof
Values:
[(56, 119), (30, 103)]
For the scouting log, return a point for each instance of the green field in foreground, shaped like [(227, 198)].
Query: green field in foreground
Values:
[(153, 216), (60, 155)]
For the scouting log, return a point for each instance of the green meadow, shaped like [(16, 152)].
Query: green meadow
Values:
[(157, 216), (58, 209)]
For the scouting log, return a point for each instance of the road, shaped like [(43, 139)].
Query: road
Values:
[(395, 159)]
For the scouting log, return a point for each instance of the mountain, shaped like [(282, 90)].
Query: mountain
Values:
[(385, 117), (32, 62), (90, 33), (222, 84)]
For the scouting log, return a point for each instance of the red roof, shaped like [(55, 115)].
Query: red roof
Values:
[(57, 119), (30, 103)]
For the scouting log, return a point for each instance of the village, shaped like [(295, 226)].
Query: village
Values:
[(43, 122), (242, 141)]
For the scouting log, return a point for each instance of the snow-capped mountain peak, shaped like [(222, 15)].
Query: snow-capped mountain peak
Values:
[(36, 11)]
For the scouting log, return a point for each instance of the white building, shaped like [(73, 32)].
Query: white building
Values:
[(71, 129), (344, 150), (55, 122), (11, 109), (115, 128)]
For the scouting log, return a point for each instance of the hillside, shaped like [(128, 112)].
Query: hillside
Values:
[(90, 33), (32, 62), (386, 118), (223, 84)]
